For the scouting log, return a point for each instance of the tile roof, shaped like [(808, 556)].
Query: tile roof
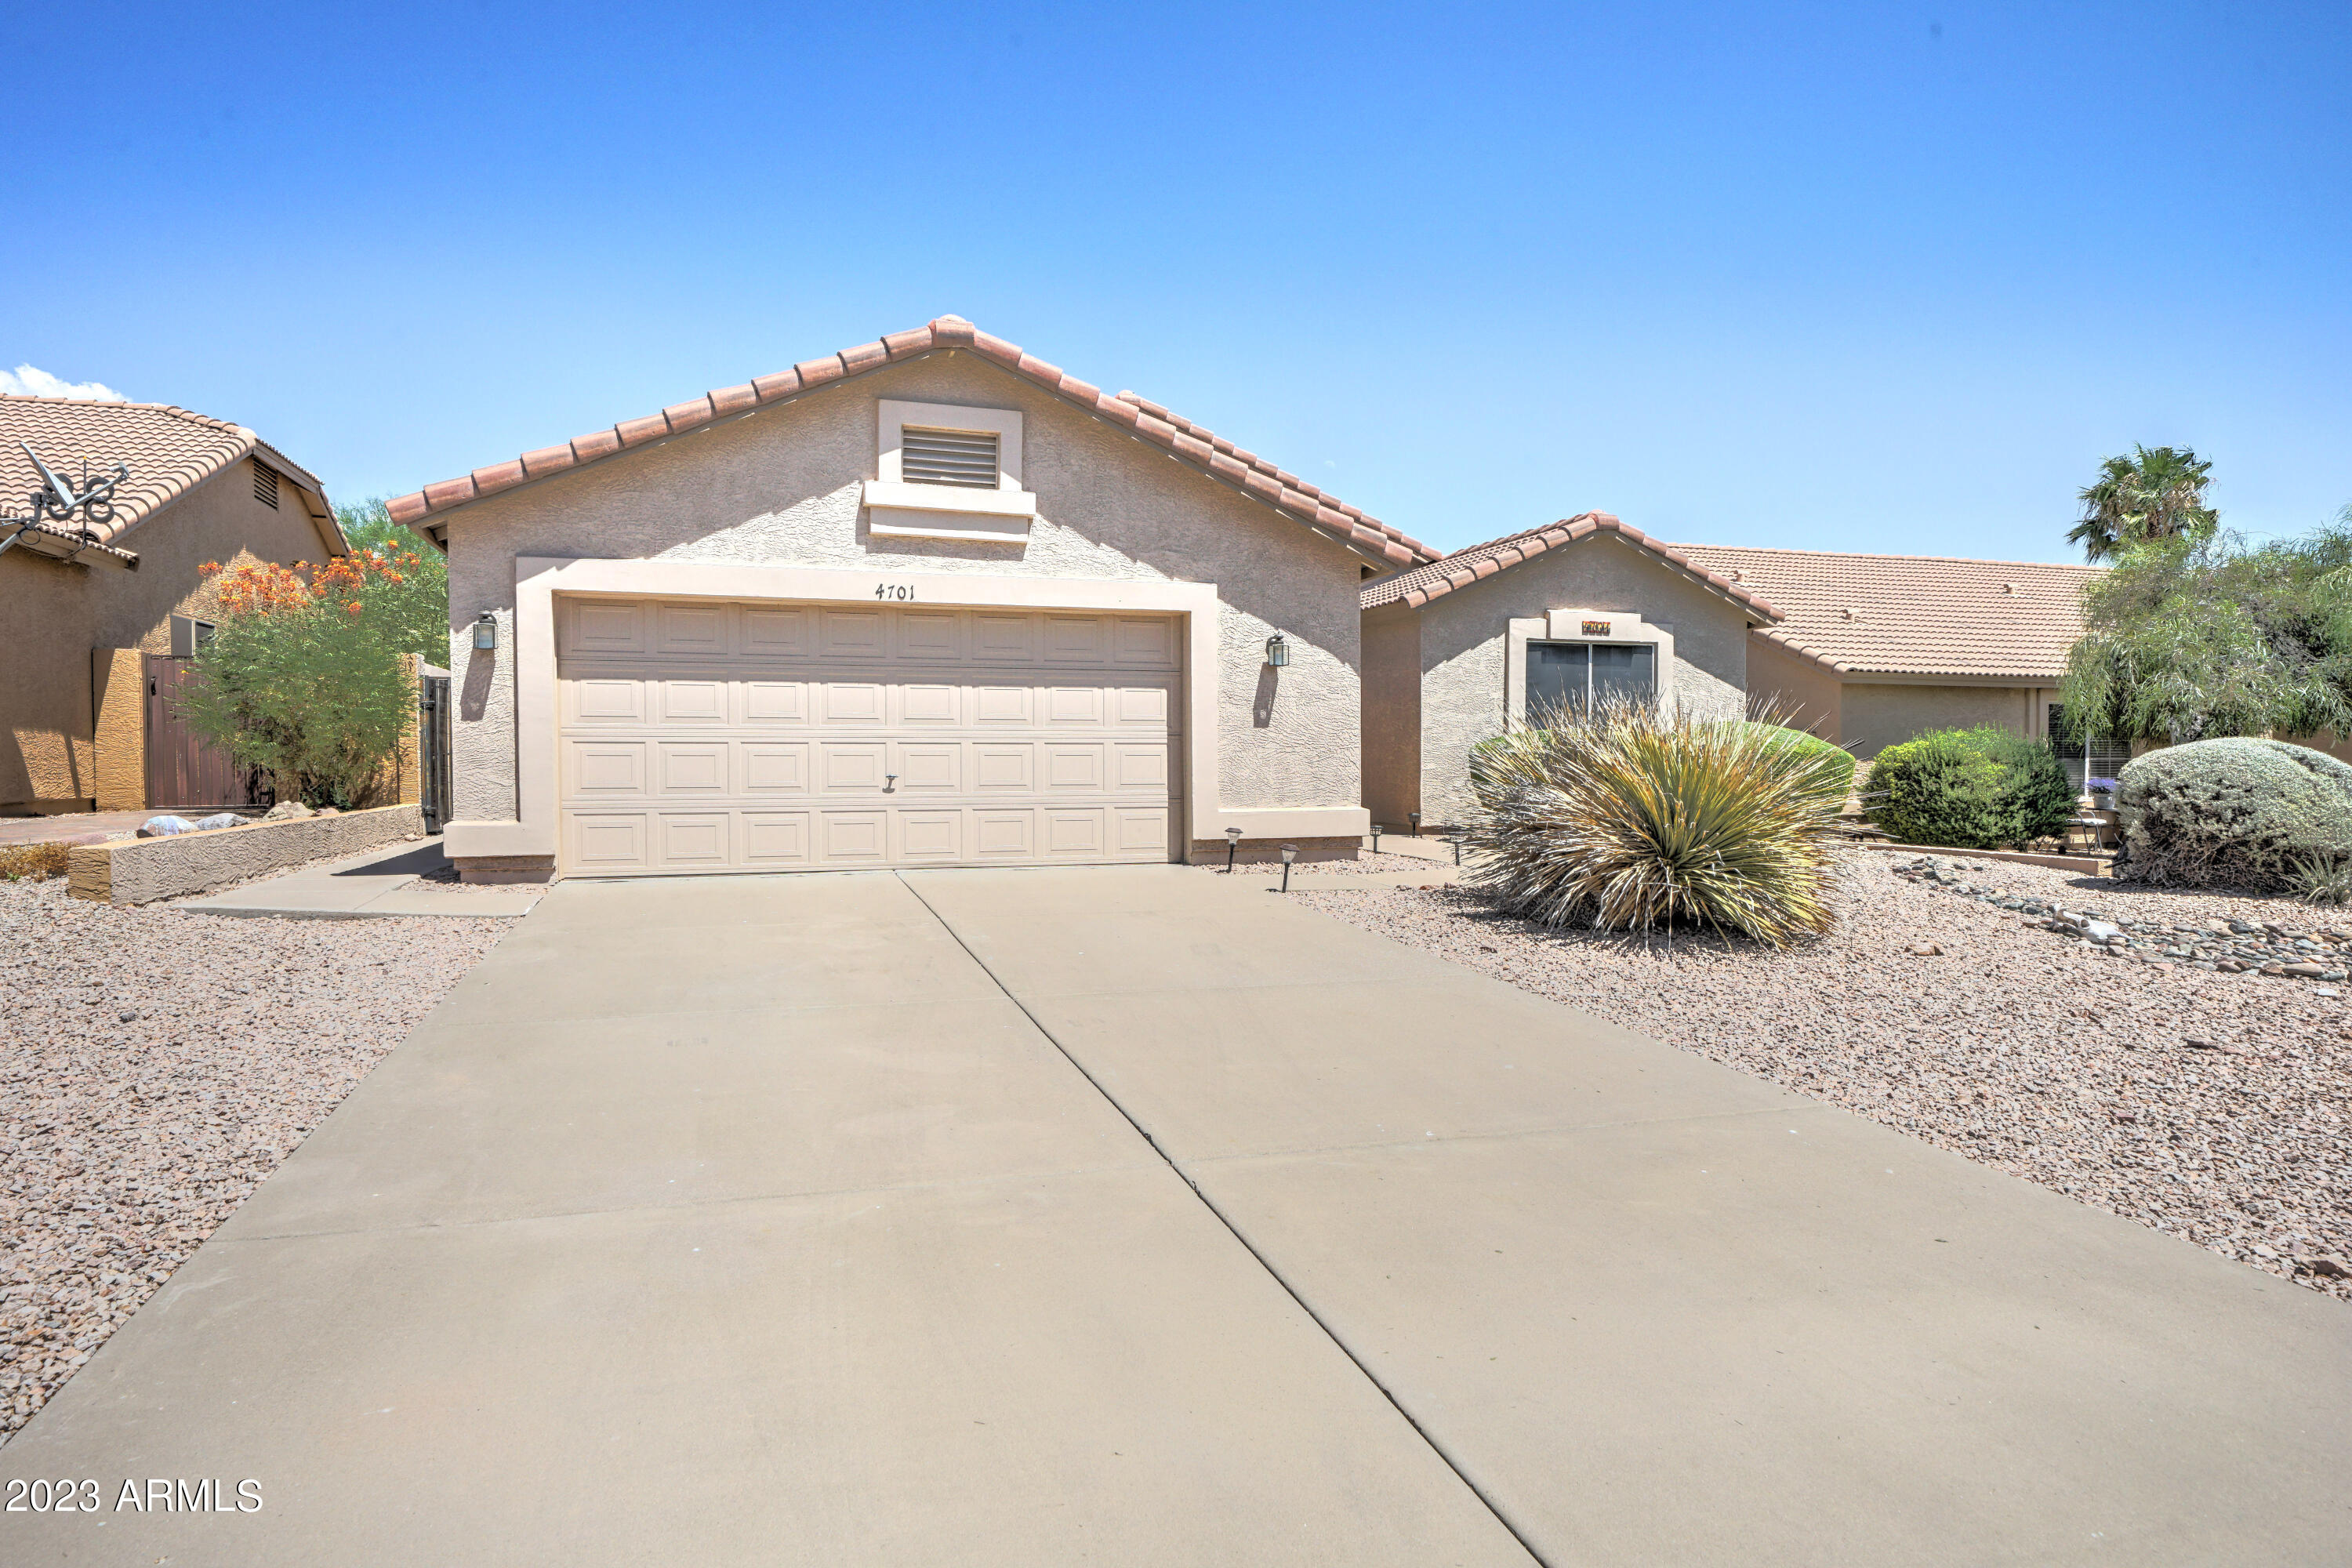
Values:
[(1913, 615), (170, 451), (1476, 563), (1211, 454)]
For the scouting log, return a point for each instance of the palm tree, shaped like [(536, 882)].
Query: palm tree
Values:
[(2155, 493)]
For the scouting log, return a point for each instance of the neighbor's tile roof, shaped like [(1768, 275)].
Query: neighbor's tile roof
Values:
[(1913, 615), (1211, 454), (170, 451), (1479, 562)]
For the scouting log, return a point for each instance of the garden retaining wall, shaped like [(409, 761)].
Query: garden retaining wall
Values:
[(141, 871)]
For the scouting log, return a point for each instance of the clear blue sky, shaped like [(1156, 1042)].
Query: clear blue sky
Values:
[(1888, 277)]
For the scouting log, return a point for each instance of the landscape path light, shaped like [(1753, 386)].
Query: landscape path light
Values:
[(1416, 823), (1233, 842), (1376, 837), (1289, 852)]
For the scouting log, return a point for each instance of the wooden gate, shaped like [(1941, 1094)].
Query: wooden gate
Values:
[(184, 774)]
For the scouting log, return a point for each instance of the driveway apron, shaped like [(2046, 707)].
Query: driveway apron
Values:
[(1659, 1311), (738, 1220)]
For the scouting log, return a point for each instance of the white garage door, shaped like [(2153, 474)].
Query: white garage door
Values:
[(775, 737)]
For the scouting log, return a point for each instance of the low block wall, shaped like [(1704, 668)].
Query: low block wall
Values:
[(2089, 864), (141, 871)]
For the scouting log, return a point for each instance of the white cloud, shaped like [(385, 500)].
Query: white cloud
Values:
[(30, 381)]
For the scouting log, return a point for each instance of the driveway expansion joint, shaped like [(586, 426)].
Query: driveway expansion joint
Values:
[(1491, 1506)]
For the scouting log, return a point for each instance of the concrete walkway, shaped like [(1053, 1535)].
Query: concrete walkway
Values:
[(1142, 1216), (379, 882)]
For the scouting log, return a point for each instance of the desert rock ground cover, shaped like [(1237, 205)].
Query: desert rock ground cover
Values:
[(154, 1067), (2216, 1107)]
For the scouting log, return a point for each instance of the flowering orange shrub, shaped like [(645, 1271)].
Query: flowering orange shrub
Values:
[(307, 673), (264, 587)]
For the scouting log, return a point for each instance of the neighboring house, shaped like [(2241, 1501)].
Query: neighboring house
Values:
[(927, 601), (1463, 647), (1870, 650), (92, 623)]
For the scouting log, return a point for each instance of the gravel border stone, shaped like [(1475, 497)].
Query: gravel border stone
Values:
[(156, 1066), (2213, 1106)]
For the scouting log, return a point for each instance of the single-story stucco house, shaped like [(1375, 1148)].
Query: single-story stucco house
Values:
[(1466, 646), (1865, 650), (1869, 650), (102, 610), (926, 601)]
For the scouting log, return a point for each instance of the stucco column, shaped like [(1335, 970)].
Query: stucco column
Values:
[(117, 689)]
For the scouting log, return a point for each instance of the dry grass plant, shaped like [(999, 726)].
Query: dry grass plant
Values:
[(21, 862), (1625, 816)]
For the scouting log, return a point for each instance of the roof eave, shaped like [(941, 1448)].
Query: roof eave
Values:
[(1364, 536)]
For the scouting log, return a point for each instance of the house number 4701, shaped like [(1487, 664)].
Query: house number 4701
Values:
[(893, 591)]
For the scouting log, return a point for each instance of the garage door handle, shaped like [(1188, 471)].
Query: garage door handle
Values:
[(889, 782)]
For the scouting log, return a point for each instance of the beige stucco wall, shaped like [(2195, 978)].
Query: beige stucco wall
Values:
[(1464, 638), (781, 488), (1805, 695), (1392, 743), (119, 697), (1877, 716), (55, 615)]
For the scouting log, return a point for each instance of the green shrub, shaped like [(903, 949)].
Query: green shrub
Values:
[(1969, 789), (1936, 789), (1625, 818), (2239, 812), (309, 674), (1835, 764), (2037, 799)]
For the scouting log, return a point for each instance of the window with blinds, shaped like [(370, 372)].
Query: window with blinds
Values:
[(264, 484), (967, 457), (1566, 676), (2103, 758)]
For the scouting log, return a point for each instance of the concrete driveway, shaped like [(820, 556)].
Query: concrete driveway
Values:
[(1142, 1216)]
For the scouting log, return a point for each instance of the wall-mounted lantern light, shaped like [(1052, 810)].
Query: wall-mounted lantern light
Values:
[(1289, 852), (485, 632), (1278, 651), (1233, 842)]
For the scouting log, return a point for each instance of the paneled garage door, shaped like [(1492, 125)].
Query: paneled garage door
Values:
[(778, 737)]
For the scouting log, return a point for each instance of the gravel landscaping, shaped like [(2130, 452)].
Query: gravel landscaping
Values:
[(1365, 864), (154, 1065), (2215, 1106)]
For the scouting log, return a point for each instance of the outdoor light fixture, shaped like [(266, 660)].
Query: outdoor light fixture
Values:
[(1376, 837), (1289, 852), (1457, 852), (1278, 651), (485, 631), (1233, 842), (1416, 823)]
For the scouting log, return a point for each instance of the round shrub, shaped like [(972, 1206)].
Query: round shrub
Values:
[(1936, 789), (1968, 789), (1626, 817), (2237, 813), (1833, 762)]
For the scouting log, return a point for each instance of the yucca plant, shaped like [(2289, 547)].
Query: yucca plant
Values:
[(2321, 879), (1621, 816)]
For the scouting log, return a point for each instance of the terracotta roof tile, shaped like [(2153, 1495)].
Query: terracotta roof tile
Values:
[(170, 451), (1476, 563), (1914, 614), (1200, 448)]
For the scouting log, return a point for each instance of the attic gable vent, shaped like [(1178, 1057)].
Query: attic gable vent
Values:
[(967, 457), (264, 484)]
